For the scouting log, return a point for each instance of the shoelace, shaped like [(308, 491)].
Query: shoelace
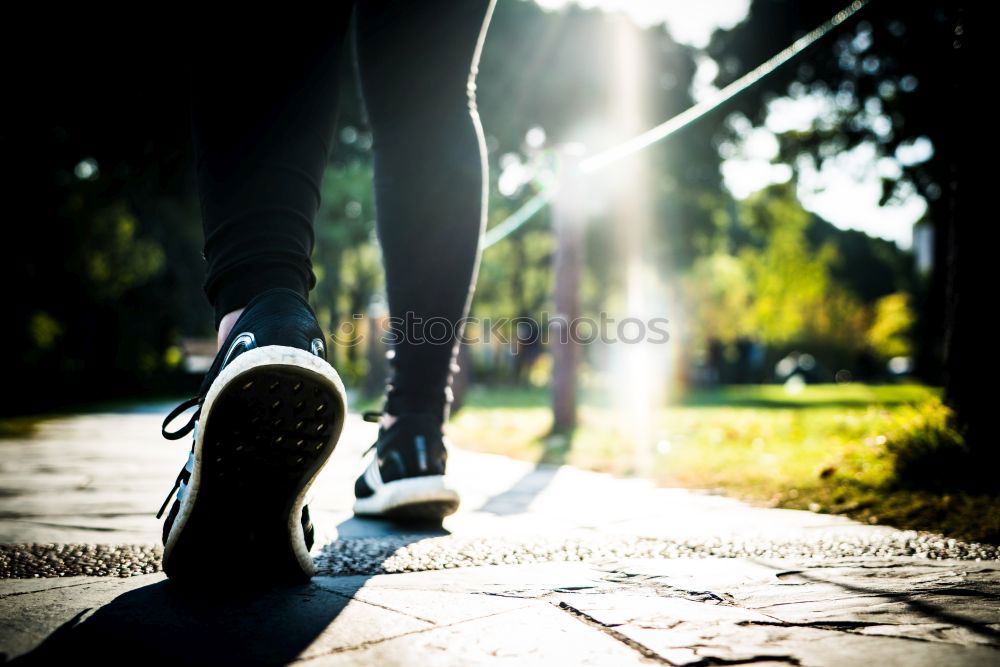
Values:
[(190, 426), (180, 484), (176, 412), (373, 416)]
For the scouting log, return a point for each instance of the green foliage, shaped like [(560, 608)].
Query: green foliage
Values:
[(893, 320), (45, 330), (790, 281), (889, 63), (782, 286), (929, 453), (515, 278), (346, 259), (719, 296), (113, 257)]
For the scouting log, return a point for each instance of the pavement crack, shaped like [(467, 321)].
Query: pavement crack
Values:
[(374, 642), (4, 596), (53, 524), (844, 626), (382, 606), (609, 630), (659, 626), (890, 596), (715, 660), (509, 594), (853, 628), (821, 600)]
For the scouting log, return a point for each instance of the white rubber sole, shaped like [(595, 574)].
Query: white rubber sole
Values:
[(426, 497), (286, 359)]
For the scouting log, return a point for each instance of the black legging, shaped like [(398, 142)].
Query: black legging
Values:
[(263, 112)]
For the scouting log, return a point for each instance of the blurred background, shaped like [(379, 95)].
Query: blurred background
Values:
[(801, 240)]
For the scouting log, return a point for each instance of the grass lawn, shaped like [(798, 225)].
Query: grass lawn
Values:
[(830, 448)]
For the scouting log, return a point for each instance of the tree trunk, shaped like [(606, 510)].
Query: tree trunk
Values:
[(966, 348)]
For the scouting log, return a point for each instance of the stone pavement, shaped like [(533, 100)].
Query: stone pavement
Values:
[(541, 565)]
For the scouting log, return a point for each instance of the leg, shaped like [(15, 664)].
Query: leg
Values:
[(270, 409), (417, 63), (263, 112)]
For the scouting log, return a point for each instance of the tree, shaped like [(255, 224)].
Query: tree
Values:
[(897, 77)]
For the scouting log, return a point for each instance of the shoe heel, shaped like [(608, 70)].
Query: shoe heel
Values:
[(270, 422)]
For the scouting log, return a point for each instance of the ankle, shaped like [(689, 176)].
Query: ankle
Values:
[(436, 404), (226, 325)]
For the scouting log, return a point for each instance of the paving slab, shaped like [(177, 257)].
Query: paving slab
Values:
[(542, 564)]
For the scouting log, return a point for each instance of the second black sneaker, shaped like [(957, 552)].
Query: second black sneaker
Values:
[(405, 479), (267, 417)]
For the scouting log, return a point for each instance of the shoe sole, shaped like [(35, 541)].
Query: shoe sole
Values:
[(426, 498), (269, 423)]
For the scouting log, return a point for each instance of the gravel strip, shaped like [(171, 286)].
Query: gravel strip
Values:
[(401, 553), (23, 561)]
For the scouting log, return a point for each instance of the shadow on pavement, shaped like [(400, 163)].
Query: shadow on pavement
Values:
[(362, 527), (165, 622), (518, 498)]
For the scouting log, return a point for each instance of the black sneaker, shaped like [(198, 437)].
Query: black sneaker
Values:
[(269, 414), (405, 478)]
